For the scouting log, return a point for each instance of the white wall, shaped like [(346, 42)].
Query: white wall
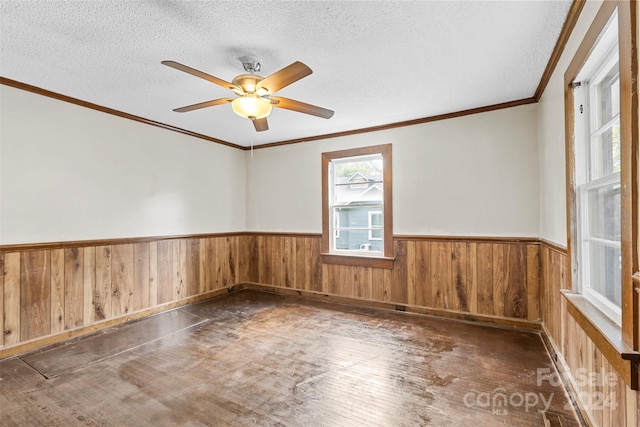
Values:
[(71, 173), (475, 175), (553, 220)]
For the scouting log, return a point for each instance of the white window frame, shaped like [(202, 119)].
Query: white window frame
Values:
[(599, 64), (371, 227)]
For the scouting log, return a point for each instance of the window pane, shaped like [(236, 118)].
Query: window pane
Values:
[(605, 267), (375, 223), (604, 212), (606, 152), (355, 231), (376, 219), (608, 94), (357, 199), (358, 181)]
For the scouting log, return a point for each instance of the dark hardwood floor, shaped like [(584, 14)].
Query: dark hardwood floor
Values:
[(253, 358)]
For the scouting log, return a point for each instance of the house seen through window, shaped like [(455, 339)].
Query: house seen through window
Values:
[(356, 203)]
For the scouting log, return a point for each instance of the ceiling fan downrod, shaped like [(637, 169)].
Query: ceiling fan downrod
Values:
[(250, 64)]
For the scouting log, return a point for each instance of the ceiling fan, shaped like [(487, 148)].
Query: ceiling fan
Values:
[(255, 93)]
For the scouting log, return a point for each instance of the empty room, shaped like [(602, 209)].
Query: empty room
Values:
[(319, 213)]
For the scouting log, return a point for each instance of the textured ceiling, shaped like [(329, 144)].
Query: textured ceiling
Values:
[(374, 62)]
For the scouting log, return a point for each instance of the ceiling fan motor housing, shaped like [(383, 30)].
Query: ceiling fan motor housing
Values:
[(248, 83)]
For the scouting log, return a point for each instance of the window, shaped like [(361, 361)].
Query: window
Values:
[(356, 202), (601, 134), (597, 171), (375, 225)]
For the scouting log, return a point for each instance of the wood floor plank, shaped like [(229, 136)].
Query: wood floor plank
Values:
[(264, 359), (86, 351)]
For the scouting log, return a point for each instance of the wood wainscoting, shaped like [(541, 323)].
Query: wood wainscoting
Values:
[(496, 277), (601, 394), (52, 292)]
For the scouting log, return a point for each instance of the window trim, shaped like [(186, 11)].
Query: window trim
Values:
[(370, 214), (386, 260), (618, 344)]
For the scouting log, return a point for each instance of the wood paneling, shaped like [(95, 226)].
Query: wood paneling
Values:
[(153, 274), (121, 280), (515, 299), (89, 285), (102, 291), (484, 269), (192, 266), (165, 271), (12, 290), (533, 279), (399, 273), (459, 280), (1, 300), (458, 274), (48, 292), (601, 393), (57, 290), (73, 288), (35, 288), (141, 284)]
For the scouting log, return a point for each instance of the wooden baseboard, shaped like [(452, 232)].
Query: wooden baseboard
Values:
[(563, 370), (49, 340), (487, 320)]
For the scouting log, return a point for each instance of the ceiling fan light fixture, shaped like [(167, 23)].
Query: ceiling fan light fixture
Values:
[(251, 106)]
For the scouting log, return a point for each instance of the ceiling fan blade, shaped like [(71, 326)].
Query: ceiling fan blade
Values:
[(202, 75), (203, 105), (261, 124), (301, 107), (284, 77)]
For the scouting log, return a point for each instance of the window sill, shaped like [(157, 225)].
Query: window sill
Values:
[(358, 260), (606, 335)]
